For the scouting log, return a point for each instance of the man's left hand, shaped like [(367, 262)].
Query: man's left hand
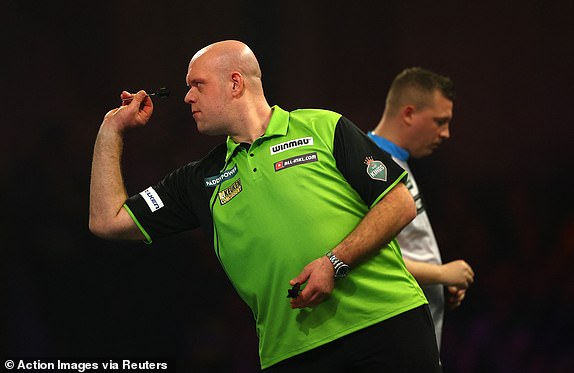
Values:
[(319, 281)]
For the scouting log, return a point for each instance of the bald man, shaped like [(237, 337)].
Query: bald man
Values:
[(303, 209), (415, 122)]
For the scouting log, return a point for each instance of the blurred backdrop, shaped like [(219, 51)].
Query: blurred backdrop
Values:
[(499, 192)]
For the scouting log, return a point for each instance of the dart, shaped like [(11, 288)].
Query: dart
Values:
[(162, 92), (294, 291)]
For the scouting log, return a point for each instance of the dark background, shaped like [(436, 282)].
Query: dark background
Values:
[(499, 193)]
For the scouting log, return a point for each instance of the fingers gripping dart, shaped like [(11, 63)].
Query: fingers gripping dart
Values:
[(162, 92), (294, 291)]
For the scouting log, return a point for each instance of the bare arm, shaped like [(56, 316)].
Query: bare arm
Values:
[(379, 226), (107, 192), (457, 276), (456, 273)]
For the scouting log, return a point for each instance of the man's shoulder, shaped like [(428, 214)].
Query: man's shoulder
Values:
[(215, 154), (210, 163), (314, 120), (314, 114)]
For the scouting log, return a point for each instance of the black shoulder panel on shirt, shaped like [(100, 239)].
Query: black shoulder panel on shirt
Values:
[(369, 169), (184, 197)]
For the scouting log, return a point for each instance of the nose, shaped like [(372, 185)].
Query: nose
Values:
[(445, 132), (189, 97)]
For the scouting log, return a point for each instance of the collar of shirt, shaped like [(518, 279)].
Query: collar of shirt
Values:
[(390, 147), (278, 125)]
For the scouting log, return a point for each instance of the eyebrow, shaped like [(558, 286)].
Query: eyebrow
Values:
[(443, 119)]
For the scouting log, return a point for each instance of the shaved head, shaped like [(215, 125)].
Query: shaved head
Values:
[(226, 93), (228, 56)]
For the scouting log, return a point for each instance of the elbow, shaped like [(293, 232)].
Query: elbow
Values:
[(411, 211), (408, 208), (407, 213), (114, 228), (96, 228), (99, 229)]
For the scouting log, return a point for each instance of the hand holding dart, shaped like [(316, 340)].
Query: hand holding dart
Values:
[(162, 92), (294, 291)]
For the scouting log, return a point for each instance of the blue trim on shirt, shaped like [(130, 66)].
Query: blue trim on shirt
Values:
[(390, 147)]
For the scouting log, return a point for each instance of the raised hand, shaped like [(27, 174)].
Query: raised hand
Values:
[(135, 111)]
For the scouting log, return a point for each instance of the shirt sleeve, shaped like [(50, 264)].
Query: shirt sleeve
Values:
[(166, 208), (369, 169)]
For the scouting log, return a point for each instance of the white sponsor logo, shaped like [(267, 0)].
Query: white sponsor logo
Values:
[(152, 199), (294, 161), (304, 141), (214, 180)]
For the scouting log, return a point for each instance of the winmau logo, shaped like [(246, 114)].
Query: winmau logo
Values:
[(152, 199), (291, 145)]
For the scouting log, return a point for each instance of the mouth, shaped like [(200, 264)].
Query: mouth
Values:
[(434, 146)]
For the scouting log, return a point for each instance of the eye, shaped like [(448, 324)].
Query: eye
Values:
[(441, 121), (196, 84)]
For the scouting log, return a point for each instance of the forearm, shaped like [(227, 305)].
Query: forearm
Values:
[(456, 273), (424, 273), (379, 226), (107, 191)]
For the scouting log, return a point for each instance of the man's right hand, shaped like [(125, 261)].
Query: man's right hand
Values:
[(108, 218), (135, 111)]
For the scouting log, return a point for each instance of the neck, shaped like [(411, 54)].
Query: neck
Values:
[(253, 125), (386, 128)]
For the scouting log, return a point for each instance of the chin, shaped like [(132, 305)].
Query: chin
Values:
[(201, 128), (422, 154), (208, 131)]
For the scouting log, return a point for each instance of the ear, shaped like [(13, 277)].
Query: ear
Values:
[(237, 84), (407, 113)]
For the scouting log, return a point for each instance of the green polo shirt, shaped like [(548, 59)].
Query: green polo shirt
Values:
[(278, 204)]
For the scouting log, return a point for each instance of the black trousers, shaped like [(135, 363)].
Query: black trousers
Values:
[(404, 343)]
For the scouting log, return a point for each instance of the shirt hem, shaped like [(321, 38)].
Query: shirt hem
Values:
[(269, 363), (147, 239)]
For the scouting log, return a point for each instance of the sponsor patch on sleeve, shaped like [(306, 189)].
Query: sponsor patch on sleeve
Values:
[(152, 199), (376, 169)]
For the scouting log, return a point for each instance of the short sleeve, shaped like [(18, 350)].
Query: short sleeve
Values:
[(369, 169), (167, 207)]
